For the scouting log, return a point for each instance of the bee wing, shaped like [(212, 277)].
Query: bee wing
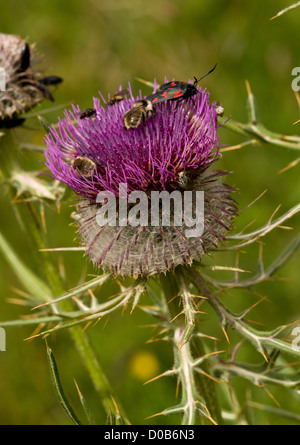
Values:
[(133, 112), (133, 117), (122, 93)]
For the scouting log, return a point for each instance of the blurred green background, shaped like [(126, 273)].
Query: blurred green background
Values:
[(100, 45)]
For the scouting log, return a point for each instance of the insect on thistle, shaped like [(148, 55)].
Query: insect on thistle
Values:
[(176, 90), (88, 112), (140, 111), (117, 97), (219, 109), (84, 165)]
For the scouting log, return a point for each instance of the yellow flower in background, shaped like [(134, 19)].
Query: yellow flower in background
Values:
[(143, 365)]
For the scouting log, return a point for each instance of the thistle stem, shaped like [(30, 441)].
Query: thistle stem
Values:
[(198, 392)]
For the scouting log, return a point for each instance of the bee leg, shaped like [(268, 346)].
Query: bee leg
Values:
[(25, 57), (46, 92)]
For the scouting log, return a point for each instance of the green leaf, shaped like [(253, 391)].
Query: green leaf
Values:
[(59, 389)]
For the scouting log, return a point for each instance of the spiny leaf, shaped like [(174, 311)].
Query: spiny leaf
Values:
[(59, 389), (79, 289)]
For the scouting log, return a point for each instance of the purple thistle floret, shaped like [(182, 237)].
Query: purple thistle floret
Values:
[(171, 151), (177, 139)]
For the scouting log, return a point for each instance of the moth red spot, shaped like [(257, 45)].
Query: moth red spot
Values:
[(178, 93), (155, 99)]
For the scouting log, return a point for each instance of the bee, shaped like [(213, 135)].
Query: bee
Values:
[(88, 112), (183, 180), (117, 97), (85, 165), (140, 111), (219, 109)]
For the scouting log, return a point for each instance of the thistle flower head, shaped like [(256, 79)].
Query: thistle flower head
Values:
[(25, 87), (171, 151)]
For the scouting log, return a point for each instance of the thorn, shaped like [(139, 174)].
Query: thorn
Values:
[(33, 336), (20, 292), (200, 296), (290, 165), (156, 335), (271, 396), (124, 308), (173, 298), (97, 321), (226, 336), (290, 324), (200, 312), (17, 301), (106, 321), (249, 92), (42, 214), (271, 359), (155, 415), (77, 387), (285, 227), (115, 405), (157, 339), (210, 377), (238, 146), (287, 365), (232, 147), (264, 356), (153, 325), (41, 305), (210, 337), (145, 82), (86, 326), (254, 322), (177, 388), (208, 415), (253, 306), (251, 104), (38, 329), (163, 374), (274, 213), (180, 313), (92, 295)]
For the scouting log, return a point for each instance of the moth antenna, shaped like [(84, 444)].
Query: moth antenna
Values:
[(196, 81)]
